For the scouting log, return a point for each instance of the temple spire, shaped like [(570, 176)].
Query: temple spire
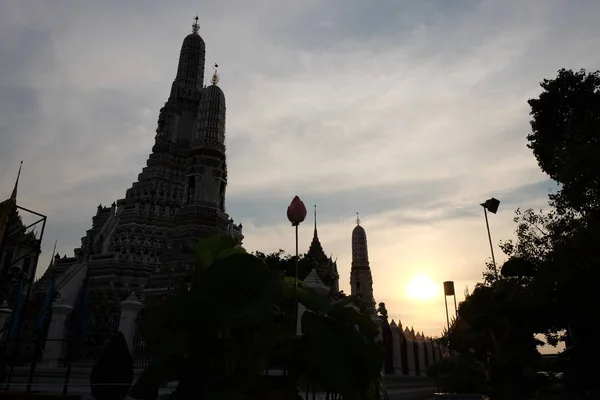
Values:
[(13, 195), (215, 78), (53, 253), (315, 234), (357, 219), (195, 25)]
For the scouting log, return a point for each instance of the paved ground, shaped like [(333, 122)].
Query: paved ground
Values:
[(411, 393), (409, 387)]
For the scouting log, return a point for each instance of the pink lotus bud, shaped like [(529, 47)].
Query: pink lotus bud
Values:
[(296, 211)]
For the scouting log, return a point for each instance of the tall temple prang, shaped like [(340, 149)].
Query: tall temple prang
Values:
[(361, 281), (142, 243)]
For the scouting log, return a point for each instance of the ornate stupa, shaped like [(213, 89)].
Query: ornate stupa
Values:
[(361, 281)]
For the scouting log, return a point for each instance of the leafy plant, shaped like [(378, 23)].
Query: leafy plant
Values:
[(459, 374), (112, 374), (219, 338)]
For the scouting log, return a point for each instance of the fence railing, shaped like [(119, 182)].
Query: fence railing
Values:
[(25, 358)]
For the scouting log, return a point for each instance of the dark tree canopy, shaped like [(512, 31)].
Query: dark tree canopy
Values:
[(565, 136), (550, 282)]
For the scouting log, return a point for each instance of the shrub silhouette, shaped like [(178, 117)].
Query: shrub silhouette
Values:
[(112, 374)]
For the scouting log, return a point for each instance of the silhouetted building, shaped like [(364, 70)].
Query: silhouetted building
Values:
[(361, 281), (325, 267), (143, 242)]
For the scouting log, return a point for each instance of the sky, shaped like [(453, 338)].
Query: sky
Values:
[(411, 113)]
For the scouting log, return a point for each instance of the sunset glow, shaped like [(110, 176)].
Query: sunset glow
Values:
[(422, 288)]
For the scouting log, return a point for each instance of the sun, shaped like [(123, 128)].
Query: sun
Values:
[(422, 288)]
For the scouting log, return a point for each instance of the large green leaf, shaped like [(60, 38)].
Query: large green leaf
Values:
[(292, 291), (352, 317), (236, 289), (161, 321), (209, 248), (229, 252)]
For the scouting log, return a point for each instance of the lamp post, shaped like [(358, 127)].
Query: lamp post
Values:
[(491, 205), (296, 213), (449, 291)]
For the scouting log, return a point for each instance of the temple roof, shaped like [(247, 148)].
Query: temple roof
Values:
[(313, 278), (326, 268), (315, 251)]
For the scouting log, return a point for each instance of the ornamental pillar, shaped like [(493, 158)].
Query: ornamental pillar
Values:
[(127, 324), (56, 335)]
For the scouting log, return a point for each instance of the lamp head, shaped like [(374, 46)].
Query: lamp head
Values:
[(491, 205)]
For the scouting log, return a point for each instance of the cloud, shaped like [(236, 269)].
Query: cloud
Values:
[(410, 113)]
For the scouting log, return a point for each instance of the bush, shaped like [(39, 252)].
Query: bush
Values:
[(459, 374)]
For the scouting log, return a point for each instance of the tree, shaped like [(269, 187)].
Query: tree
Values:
[(496, 326), (550, 280), (565, 137), (565, 140), (286, 263)]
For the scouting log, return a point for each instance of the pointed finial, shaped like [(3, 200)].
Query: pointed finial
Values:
[(357, 219), (195, 25), (13, 195), (315, 220), (215, 78), (53, 253)]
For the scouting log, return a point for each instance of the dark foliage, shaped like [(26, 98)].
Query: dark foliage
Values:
[(220, 338), (461, 374), (112, 374), (549, 282), (565, 136)]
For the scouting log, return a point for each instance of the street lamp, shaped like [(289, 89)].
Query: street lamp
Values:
[(449, 291), (491, 205)]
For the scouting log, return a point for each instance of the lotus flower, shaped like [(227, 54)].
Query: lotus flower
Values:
[(296, 211)]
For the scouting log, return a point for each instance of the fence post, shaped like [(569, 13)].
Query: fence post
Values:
[(56, 334), (410, 353), (422, 362), (430, 350), (129, 311), (436, 352), (5, 313), (396, 350)]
